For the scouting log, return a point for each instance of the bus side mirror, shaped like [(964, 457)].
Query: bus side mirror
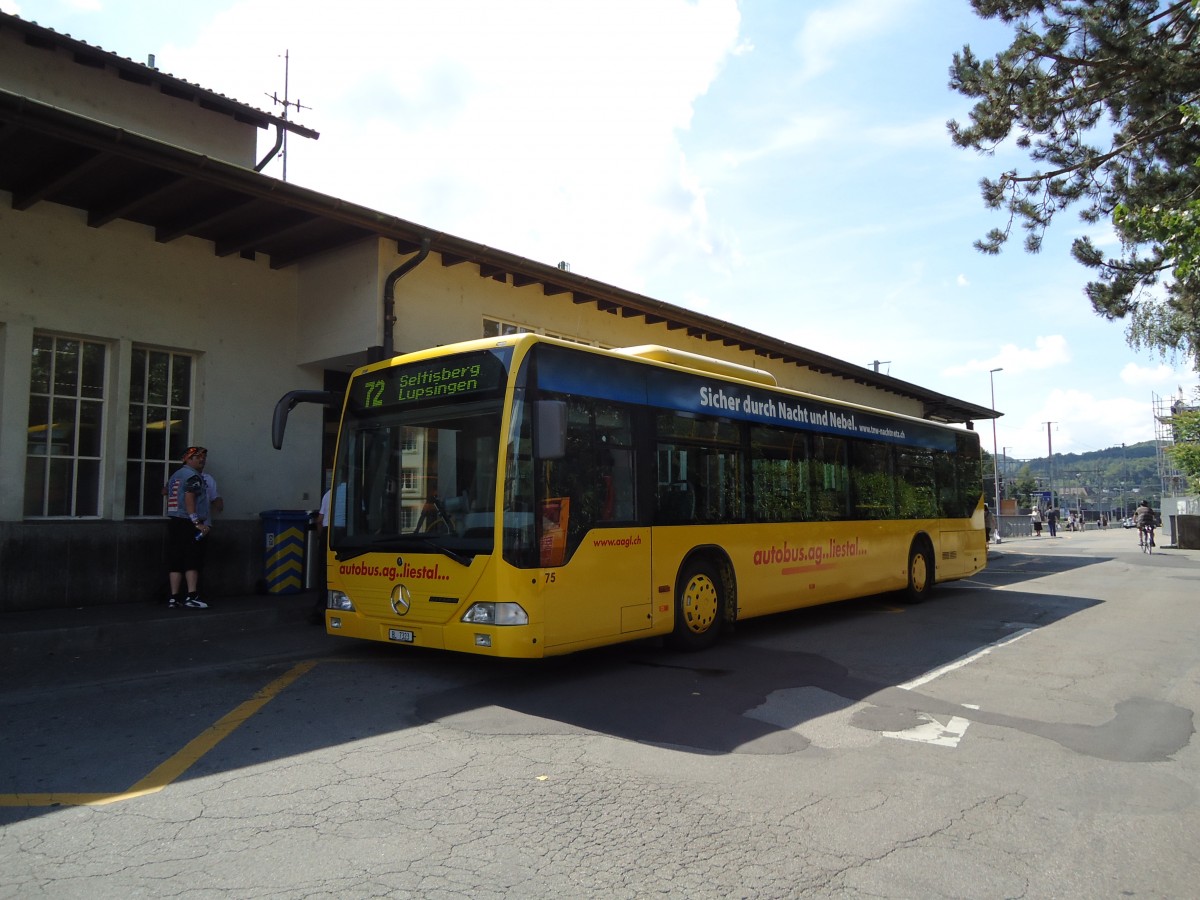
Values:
[(550, 439)]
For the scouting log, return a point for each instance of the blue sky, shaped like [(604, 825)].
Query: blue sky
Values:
[(781, 165)]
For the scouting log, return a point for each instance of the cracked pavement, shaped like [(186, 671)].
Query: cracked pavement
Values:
[(796, 759)]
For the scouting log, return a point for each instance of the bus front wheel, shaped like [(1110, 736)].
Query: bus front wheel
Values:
[(920, 573), (699, 603)]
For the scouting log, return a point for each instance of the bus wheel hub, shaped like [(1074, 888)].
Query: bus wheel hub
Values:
[(700, 604)]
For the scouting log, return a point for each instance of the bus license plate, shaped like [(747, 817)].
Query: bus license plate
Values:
[(395, 634)]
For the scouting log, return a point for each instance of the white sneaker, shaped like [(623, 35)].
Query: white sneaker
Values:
[(194, 602)]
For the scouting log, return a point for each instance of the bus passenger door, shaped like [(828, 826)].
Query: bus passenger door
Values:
[(595, 550)]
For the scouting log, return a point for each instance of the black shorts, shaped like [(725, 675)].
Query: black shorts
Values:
[(184, 552)]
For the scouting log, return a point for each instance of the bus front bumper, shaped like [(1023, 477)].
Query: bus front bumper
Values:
[(510, 641)]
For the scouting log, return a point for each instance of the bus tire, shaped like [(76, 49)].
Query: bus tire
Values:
[(920, 572), (699, 606)]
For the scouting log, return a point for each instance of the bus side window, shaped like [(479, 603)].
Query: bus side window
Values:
[(831, 478), (597, 471)]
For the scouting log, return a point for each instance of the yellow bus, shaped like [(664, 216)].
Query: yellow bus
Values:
[(528, 497)]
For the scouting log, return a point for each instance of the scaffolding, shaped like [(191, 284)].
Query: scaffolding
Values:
[(1172, 482)]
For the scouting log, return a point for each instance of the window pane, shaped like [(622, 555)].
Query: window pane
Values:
[(39, 425), (157, 424), (916, 492), (831, 496), (871, 477), (43, 364), (66, 368), (181, 381), (780, 476), (137, 376), (91, 382), (35, 485), (60, 486), (137, 432), (155, 478), (133, 488), (62, 441), (156, 387), (87, 493), (181, 429), (91, 415)]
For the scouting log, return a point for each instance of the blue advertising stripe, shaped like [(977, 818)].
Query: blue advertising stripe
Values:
[(572, 372)]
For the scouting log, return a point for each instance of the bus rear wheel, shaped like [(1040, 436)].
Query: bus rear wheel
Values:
[(699, 604), (920, 572)]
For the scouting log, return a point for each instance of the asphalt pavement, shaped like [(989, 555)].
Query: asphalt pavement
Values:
[(44, 636)]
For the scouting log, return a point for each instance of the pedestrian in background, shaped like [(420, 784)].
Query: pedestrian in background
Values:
[(1052, 521), (187, 527), (1036, 518)]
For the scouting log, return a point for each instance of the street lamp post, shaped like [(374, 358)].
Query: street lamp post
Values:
[(995, 455)]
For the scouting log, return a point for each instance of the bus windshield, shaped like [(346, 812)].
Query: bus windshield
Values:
[(416, 466)]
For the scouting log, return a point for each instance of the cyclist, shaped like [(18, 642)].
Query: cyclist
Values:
[(1143, 517)]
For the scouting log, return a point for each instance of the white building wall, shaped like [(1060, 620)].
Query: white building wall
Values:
[(339, 306), (118, 286)]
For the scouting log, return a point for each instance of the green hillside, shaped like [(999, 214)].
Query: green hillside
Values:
[(1098, 480)]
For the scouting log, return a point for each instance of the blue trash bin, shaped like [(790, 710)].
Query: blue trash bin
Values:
[(284, 537)]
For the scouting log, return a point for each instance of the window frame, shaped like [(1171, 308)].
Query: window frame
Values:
[(86, 406)]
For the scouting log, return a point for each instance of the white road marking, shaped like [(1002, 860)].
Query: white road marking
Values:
[(963, 661), (931, 731)]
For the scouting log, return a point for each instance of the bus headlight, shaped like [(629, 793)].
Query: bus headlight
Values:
[(496, 614), (340, 601)]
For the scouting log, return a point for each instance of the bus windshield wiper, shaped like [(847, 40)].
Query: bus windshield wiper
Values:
[(398, 541), (461, 559)]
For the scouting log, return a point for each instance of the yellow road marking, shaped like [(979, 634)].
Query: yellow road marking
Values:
[(173, 768)]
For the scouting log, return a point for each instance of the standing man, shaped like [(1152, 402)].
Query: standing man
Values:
[(216, 503), (187, 527)]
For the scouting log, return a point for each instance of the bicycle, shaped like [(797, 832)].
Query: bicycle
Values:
[(1146, 538)]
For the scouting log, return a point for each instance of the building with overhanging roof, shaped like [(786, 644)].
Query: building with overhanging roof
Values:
[(158, 291)]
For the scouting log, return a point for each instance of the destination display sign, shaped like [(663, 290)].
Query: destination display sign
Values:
[(464, 376)]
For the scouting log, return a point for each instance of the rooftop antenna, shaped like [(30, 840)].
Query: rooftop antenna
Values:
[(286, 103), (880, 362)]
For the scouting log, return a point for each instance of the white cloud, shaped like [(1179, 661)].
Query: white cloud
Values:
[(962, 281), (827, 32), (1046, 353), (928, 133), (549, 129), (1079, 421), (796, 133), (1161, 375)]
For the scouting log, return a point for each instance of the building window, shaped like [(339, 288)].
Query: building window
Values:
[(160, 425), (66, 424)]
